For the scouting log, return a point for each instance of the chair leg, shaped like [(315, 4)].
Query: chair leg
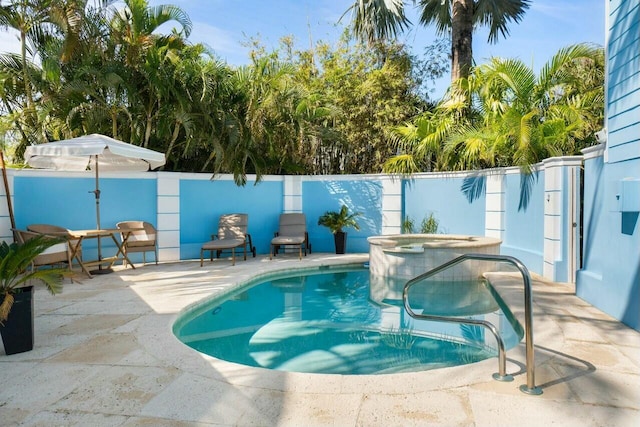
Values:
[(252, 248), (201, 257), (300, 252), (233, 256), (271, 252), (156, 252)]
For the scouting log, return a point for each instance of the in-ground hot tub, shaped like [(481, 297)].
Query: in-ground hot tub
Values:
[(405, 256)]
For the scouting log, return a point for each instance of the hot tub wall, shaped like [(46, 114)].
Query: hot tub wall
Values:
[(388, 258)]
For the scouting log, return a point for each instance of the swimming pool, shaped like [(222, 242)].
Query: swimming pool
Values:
[(334, 321)]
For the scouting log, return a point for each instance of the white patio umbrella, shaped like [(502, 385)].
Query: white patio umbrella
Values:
[(95, 152)]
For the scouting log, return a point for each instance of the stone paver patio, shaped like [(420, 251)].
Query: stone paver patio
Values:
[(105, 355)]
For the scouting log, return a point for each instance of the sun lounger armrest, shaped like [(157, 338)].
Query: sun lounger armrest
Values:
[(21, 234)]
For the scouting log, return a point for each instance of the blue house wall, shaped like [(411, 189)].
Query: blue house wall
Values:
[(610, 277)]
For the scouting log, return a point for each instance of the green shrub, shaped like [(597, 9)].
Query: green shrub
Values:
[(407, 225), (429, 224)]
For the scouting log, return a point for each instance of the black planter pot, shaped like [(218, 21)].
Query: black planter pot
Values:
[(340, 239), (17, 332)]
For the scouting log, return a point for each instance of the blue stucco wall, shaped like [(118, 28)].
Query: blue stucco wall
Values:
[(202, 201), (359, 195), (443, 197), (66, 201), (523, 238)]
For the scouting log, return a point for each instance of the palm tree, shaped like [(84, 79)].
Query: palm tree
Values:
[(50, 34), (134, 27), (525, 118), (420, 143), (144, 53), (26, 17), (384, 19), (516, 118), (262, 131)]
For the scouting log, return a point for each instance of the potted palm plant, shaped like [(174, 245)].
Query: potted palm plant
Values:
[(336, 222), (16, 293)]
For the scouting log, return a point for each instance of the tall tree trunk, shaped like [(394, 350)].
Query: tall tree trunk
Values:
[(174, 138), (147, 129), (461, 39), (25, 70), (114, 123)]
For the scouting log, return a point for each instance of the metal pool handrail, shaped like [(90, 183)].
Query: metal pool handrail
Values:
[(530, 387)]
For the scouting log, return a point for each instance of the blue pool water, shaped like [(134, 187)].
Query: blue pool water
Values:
[(337, 322)]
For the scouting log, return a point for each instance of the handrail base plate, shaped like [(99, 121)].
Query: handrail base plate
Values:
[(535, 391), (504, 378)]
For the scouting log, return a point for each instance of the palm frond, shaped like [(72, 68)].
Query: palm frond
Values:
[(15, 260), (375, 20), (497, 14), (437, 12), (403, 165)]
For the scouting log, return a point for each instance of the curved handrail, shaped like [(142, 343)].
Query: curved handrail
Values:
[(530, 387)]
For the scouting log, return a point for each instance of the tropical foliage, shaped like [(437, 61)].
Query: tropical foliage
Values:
[(513, 118), (337, 221), (106, 67), (516, 117), (15, 259), (385, 19)]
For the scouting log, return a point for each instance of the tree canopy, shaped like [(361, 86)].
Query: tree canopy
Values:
[(104, 67)]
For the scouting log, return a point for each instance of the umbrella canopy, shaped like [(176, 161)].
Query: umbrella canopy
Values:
[(78, 154), (95, 152)]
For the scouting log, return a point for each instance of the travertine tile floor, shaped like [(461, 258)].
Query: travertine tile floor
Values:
[(105, 355)]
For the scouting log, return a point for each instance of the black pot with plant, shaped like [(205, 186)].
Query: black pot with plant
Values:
[(336, 222), (16, 293)]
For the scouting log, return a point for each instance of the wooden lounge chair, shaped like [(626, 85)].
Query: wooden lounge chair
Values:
[(138, 236), (57, 254), (232, 234), (292, 231), (75, 247)]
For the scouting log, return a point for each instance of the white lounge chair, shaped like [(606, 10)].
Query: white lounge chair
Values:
[(232, 234), (292, 231)]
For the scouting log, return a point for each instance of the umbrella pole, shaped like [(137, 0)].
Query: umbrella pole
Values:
[(97, 193), (100, 270)]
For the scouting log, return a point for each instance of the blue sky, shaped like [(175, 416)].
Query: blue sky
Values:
[(225, 25)]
